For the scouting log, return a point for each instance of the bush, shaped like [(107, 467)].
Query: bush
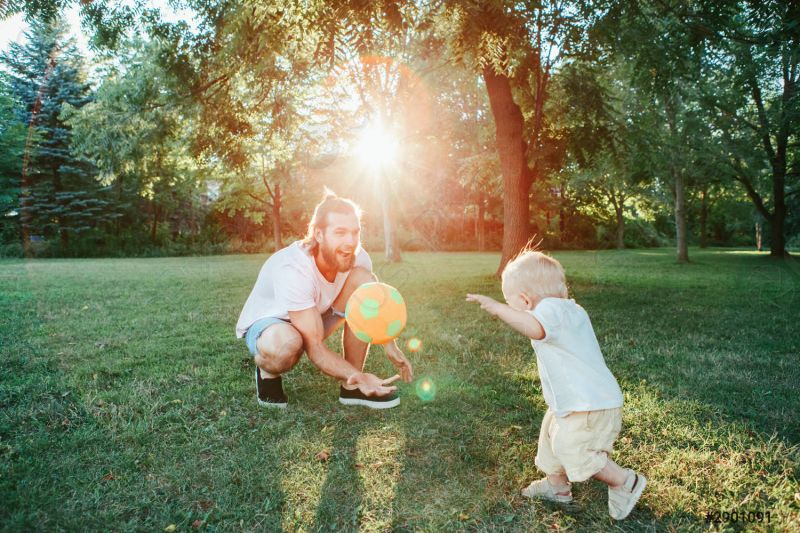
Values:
[(642, 234), (11, 250)]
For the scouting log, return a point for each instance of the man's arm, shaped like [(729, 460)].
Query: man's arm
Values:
[(399, 360), (521, 321), (309, 323)]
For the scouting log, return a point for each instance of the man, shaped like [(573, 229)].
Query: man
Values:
[(297, 302)]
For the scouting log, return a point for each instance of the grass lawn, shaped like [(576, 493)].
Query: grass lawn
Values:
[(127, 403)]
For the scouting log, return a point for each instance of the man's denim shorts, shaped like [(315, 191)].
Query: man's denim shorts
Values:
[(329, 319), (258, 327)]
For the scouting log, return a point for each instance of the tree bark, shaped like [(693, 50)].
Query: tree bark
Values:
[(517, 178), (680, 216), (704, 217), (154, 226), (620, 228), (481, 222), (391, 247), (759, 234), (276, 218), (680, 187)]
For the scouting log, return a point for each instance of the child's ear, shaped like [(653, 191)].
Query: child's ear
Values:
[(527, 300)]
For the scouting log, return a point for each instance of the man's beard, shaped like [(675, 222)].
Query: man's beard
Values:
[(332, 258)]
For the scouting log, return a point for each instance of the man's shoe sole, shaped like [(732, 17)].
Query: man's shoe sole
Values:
[(369, 403), (271, 404)]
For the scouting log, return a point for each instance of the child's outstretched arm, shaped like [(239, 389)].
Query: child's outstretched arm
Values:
[(521, 321)]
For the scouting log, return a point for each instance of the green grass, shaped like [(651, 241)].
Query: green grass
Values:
[(127, 403)]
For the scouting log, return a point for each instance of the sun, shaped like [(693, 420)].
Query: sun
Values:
[(377, 147)]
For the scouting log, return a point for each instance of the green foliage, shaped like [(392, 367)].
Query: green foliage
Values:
[(139, 133)]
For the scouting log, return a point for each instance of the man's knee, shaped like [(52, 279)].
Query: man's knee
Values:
[(280, 345)]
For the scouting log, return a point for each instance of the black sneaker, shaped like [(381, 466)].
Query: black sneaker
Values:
[(269, 391), (356, 397)]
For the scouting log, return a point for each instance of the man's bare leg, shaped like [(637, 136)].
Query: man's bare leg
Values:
[(279, 349), (355, 350)]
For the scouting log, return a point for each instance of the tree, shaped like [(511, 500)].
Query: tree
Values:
[(12, 151), (59, 194), (516, 48), (752, 74), (138, 133), (740, 60)]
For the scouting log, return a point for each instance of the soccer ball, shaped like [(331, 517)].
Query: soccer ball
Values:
[(376, 313)]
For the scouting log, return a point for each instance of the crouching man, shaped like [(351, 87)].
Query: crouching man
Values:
[(298, 301)]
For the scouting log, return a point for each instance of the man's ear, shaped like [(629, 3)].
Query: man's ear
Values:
[(318, 235)]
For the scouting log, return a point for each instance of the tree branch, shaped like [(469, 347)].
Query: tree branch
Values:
[(257, 198), (751, 191)]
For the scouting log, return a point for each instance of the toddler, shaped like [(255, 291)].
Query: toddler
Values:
[(583, 399)]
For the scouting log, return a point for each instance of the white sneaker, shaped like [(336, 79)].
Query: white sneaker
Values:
[(543, 490), (621, 501)]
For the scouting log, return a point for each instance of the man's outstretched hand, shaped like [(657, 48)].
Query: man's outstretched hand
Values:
[(372, 385), (398, 359)]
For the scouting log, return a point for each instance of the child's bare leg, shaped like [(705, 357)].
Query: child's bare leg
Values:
[(612, 475), (560, 484)]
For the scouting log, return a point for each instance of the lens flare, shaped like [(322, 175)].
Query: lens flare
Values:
[(414, 344), (426, 389)]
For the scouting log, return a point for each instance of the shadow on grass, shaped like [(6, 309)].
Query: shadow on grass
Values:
[(341, 495)]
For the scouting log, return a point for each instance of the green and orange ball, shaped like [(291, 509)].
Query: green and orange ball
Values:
[(376, 313)]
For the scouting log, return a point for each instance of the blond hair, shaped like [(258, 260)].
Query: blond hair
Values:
[(536, 274), (319, 220)]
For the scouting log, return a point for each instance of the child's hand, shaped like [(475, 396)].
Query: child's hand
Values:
[(489, 305)]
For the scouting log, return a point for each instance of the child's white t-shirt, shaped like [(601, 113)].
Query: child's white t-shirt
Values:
[(573, 372), (291, 281)]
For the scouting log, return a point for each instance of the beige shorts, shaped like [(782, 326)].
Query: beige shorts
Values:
[(578, 444)]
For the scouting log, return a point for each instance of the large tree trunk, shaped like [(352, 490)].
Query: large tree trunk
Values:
[(511, 147), (276, 218), (777, 245)]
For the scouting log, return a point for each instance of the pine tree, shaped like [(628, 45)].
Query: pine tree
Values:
[(12, 146), (59, 193)]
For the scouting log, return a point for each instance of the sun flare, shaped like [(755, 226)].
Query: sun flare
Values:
[(377, 147)]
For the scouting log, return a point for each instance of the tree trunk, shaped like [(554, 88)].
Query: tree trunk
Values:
[(759, 234), (620, 228), (680, 216), (777, 245), (511, 148), (481, 222), (562, 211), (704, 217), (276, 218), (154, 226), (391, 247), (680, 187)]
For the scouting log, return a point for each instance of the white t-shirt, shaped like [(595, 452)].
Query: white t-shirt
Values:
[(573, 372), (291, 281)]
